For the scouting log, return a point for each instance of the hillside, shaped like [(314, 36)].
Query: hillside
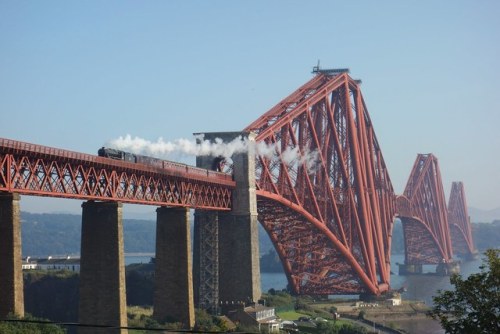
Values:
[(483, 216), (59, 234)]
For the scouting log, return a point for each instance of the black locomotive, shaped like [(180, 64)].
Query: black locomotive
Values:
[(164, 164)]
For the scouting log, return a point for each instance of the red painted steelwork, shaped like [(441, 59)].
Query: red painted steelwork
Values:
[(324, 194), (44, 171), (459, 220), (422, 210)]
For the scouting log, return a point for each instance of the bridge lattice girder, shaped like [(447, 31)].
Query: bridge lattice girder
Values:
[(44, 171), (459, 220), (422, 209), (324, 194)]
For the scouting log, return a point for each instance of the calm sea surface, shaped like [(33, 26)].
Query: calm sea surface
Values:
[(138, 258)]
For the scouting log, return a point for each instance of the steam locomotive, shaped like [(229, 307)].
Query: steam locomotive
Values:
[(164, 164)]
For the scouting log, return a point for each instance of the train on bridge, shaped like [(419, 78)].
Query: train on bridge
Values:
[(165, 164)]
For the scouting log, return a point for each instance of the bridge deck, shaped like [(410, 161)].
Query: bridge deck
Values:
[(46, 171)]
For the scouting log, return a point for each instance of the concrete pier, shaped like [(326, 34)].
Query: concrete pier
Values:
[(173, 295), (11, 275), (102, 269)]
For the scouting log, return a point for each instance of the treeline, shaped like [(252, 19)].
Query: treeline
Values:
[(486, 235), (54, 295)]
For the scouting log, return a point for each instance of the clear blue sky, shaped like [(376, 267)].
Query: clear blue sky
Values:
[(77, 74)]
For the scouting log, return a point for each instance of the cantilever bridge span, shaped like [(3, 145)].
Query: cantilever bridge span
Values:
[(459, 220), (329, 210), (422, 209)]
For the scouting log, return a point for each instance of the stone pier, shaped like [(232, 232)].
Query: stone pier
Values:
[(238, 246), (442, 269), (102, 269), (173, 295), (410, 269), (11, 275)]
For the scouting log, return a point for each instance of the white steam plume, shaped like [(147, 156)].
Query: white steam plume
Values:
[(164, 149)]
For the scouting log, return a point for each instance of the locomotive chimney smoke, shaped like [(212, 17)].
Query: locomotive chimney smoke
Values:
[(290, 155), (163, 149)]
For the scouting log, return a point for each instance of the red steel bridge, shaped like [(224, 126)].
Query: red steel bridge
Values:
[(422, 209), (45, 171), (331, 219), (458, 218), (324, 195)]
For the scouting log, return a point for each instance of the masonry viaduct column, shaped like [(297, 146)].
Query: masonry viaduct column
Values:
[(11, 275), (239, 262), (102, 269), (173, 295), (238, 246)]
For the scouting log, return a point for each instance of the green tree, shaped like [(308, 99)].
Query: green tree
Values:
[(28, 325), (474, 306)]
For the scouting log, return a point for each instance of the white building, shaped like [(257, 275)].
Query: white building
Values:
[(29, 264), (256, 315), (394, 301), (50, 263)]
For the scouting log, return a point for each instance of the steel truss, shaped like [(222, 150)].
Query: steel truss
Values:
[(208, 222), (459, 220), (43, 171), (324, 194), (422, 209)]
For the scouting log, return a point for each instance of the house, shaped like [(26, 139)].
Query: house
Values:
[(253, 315), (67, 263), (394, 301), (29, 264)]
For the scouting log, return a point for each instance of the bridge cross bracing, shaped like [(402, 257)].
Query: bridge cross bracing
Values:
[(329, 210), (459, 220), (424, 217), (44, 171)]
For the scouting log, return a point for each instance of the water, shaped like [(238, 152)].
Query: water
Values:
[(419, 287), (275, 281), (138, 258), (424, 287)]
